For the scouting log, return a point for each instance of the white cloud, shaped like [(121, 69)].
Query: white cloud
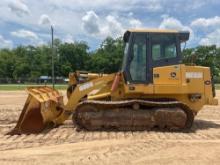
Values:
[(172, 23), (91, 22), (110, 5), (175, 24), (19, 8), (208, 30), (212, 38), (135, 23), (5, 43), (133, 5), (26, 34), (68, 39), (203, 22), (31, 37), (113, 27), (44, 20), (107, 26)]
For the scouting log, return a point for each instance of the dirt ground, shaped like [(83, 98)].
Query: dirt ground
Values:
[(64, 145)]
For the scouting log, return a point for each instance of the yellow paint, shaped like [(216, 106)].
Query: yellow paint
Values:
[(165, 85)]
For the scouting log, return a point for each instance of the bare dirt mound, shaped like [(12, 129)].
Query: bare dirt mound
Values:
[(65, 145)]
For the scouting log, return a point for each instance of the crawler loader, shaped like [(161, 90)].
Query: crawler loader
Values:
[(153, 90)]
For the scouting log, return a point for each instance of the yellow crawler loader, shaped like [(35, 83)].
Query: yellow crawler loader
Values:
[(153, 90)]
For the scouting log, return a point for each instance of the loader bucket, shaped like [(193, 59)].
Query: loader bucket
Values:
[(42, 106)]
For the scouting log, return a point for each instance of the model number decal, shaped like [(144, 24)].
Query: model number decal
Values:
[(85, 86), (194, 75)]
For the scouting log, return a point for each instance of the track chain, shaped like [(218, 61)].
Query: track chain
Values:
[(119, 115)]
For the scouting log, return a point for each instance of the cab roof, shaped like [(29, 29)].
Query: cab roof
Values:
[(182, 35)]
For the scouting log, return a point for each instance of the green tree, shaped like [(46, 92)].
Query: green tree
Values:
[(7, 63), (204, 56), (72, 57), (108, 58)]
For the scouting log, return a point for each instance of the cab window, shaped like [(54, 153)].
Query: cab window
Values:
[(163, 46)]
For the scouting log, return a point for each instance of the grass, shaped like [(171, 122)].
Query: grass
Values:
[(15, 87)]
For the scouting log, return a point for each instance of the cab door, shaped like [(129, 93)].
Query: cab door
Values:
[(137, 62)]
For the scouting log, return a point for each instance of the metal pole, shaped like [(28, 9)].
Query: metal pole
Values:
[(52, 47)]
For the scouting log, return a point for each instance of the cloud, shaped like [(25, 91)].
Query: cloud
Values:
[(109, 5), (107, 26), (68, 39), (208, 30), (172, 23), (212, 38), (135, 23), (203, 22), (26, 34), (112, 27), (44, 20), (90, 22), (19, 8), (5, 43), (175, 24), (29, 37)]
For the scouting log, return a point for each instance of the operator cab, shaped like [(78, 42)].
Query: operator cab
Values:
[(146, 49)]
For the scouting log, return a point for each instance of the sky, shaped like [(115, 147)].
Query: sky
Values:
[(25, 22)]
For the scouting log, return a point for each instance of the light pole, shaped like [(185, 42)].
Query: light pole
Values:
[(52, 59)]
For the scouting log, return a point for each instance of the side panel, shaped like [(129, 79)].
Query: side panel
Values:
[(179, 79), (190, 84), (167, 75), (169, 80)]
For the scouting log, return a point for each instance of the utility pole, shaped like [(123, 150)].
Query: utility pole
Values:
[(52, 59)]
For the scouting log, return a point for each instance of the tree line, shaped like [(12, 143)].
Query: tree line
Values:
[(28, 63)]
